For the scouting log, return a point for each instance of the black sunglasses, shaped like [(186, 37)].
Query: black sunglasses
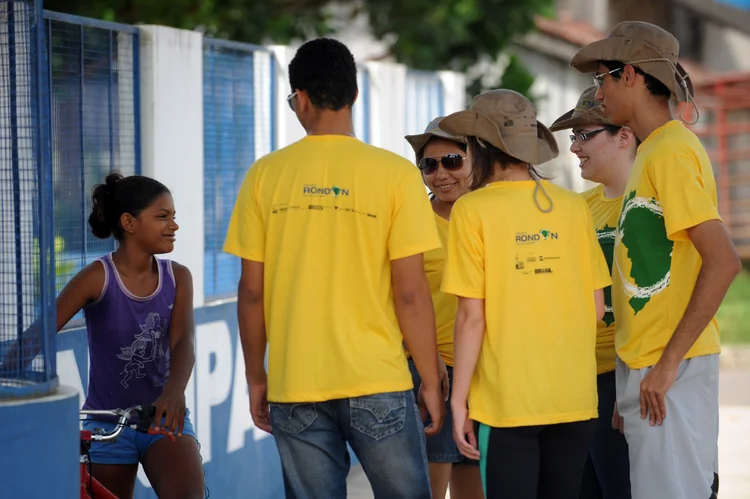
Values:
[(452, 161)]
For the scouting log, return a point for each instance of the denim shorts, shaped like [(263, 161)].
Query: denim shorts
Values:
[(130, 446), (441, 448)]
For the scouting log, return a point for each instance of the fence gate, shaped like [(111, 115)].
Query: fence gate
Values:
[(27, 279)]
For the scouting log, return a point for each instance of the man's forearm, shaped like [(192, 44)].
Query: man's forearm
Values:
[(417, 321), (252, 336), (710, 288)]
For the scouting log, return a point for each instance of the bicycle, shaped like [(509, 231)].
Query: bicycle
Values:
[(91, 488)]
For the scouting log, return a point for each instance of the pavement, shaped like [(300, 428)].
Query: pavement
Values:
[(734, 438)]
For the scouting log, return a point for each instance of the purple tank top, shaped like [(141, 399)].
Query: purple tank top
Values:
[(128, 341)]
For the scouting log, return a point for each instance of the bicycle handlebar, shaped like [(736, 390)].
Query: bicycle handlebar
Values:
[(123, 416)]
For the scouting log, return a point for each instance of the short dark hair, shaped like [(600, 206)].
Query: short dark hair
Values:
[(420, 154), (118, 195), (326, 70), (654, 86), (483, 159)]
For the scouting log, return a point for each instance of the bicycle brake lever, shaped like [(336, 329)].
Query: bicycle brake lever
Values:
[(146, 418)]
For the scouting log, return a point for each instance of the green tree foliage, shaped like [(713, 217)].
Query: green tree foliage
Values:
[(424, 34)]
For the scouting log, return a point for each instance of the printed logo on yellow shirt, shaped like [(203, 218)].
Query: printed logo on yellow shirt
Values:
[(315, 190), (533, 237), (642, 231)]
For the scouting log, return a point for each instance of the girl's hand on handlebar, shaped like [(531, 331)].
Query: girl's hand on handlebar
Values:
[(170, 406)]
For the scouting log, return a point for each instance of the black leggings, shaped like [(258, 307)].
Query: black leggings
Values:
[(537, 462), (607, 471)]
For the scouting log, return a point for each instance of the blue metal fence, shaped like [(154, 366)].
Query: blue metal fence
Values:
[(239, 119), (27, 317), (94, 79)]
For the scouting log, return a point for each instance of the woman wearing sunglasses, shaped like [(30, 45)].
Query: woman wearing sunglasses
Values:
[(606, 153), (442, 160), (529, 275)]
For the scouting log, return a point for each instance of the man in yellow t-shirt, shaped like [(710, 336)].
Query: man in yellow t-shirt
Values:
[(331, 232), (606, 154), (673, 263)]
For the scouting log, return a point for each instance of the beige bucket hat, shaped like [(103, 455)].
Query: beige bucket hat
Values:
[(507, 120), (645, 46), (418, 142), (587, 112)]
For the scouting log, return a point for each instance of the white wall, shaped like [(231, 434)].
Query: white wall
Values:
[(725, 49), (558, 87), (172, 133), (288, 129)]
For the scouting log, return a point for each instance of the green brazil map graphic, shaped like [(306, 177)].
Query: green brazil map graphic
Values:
[(642, 231)]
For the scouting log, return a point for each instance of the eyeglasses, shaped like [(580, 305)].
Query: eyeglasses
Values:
[(582, 137), (599, 78), (451, 161), (289, 99)]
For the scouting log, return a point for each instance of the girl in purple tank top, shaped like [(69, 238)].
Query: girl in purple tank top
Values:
[(139, 320)]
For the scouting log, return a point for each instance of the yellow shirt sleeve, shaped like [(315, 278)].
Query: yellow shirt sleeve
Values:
[(464, 265), (601, 273), (246, 235), (413, 228), (686, 200)]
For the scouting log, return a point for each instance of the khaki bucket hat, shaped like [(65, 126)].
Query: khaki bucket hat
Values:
[(645, 46), (587, 112), (507, 120), (418, 142)]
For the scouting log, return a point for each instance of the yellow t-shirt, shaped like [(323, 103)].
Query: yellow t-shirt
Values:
[(537, 274), (605, 213), (671, 189), (326, 215), (445, 304)]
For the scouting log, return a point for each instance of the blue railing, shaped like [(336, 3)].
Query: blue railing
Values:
[(27, 317), (94, 77), (239, 120)]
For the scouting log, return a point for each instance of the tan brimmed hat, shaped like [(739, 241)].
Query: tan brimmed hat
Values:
[(507, 120), (645, 46), (586, 112), (418, 142)]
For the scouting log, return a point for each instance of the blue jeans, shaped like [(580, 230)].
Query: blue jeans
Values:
[(384, 430)]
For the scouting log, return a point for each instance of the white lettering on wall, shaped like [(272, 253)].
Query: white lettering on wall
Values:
[(240, 420), (213, 342)]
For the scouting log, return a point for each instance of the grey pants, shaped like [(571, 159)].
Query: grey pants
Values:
[(678, 459)]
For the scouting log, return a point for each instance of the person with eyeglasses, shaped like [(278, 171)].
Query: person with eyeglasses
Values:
[(441, 158), (673, 264), (606, 153), (331, 232), (529, 274)]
